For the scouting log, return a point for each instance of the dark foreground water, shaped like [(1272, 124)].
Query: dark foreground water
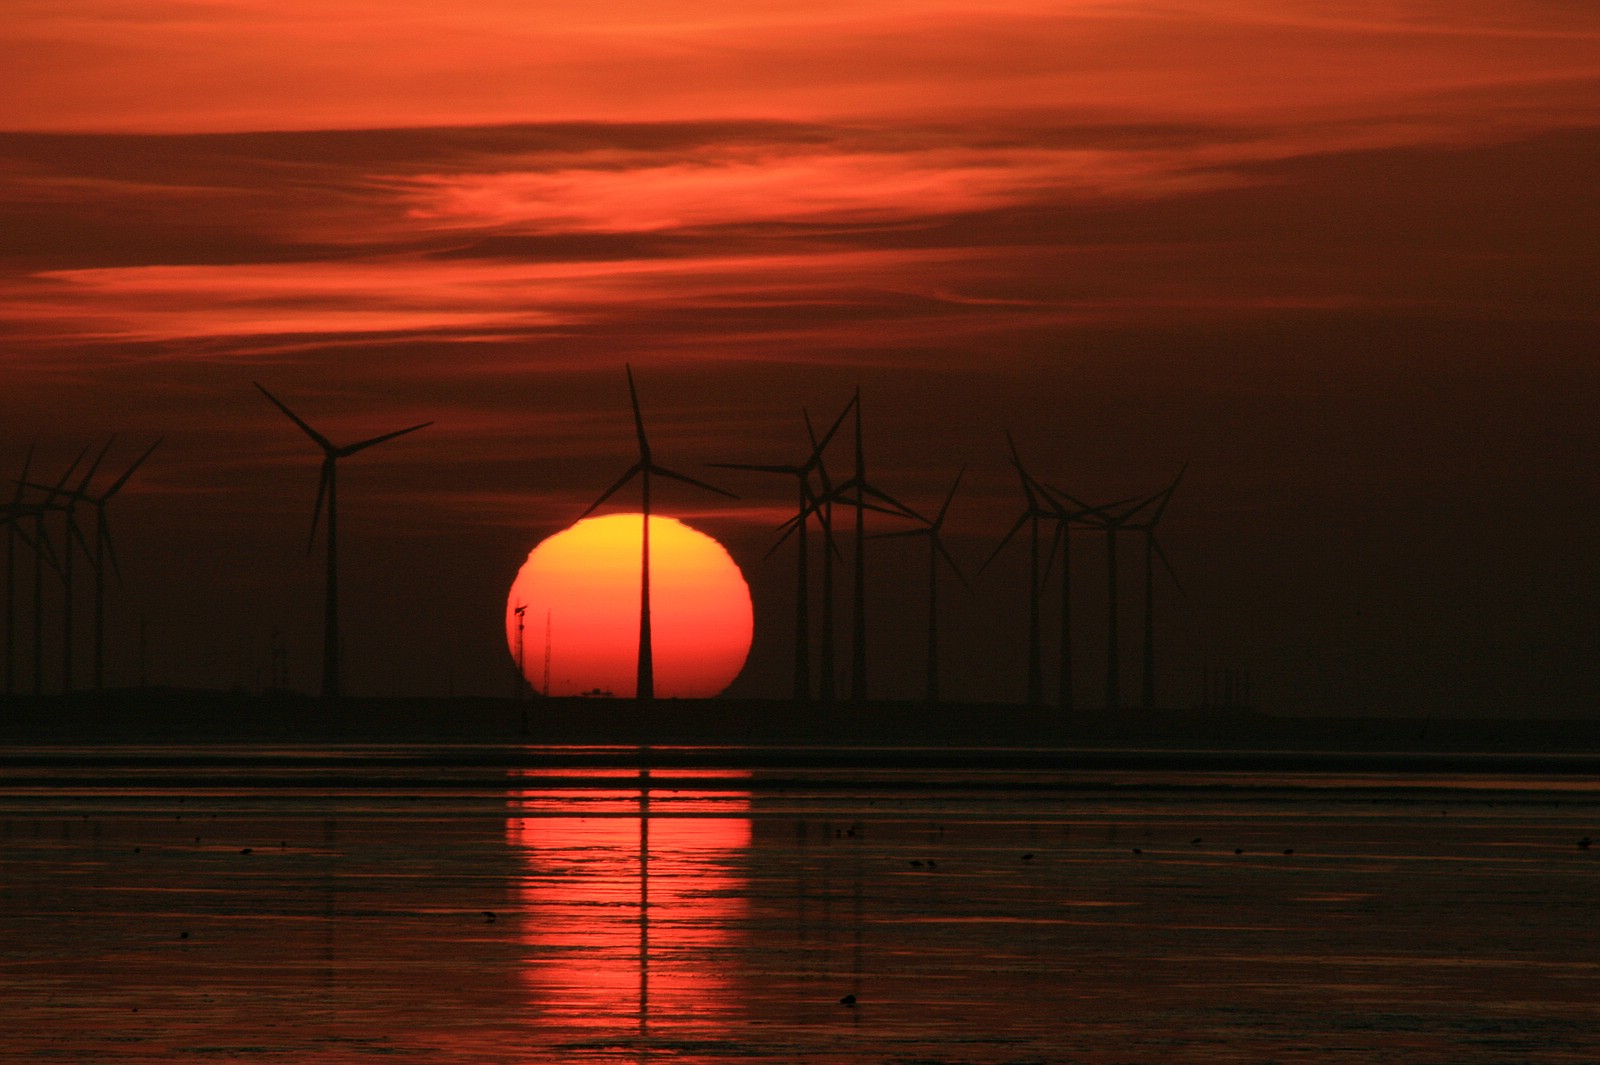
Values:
[(506, 905)]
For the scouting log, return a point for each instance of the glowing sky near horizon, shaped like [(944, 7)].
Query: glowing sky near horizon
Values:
[(1337, 255)]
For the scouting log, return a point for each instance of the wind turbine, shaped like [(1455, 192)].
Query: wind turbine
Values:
[(861, 488), (328, 489), (1068, 510), (645, 683), (936, 550), (42, 550), (14, 512), (1112, 523), (71, 534), (1152, 549), (103, 547), (1032, 491), (806, 501)]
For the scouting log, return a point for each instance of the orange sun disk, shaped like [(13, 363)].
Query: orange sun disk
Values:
[(580, 591)]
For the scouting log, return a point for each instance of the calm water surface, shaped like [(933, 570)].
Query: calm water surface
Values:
[(519, 905)]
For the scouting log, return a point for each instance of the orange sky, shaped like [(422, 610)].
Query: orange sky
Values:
[(1337, 256)]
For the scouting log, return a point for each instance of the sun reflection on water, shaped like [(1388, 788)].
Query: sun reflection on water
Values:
[(627, 896)]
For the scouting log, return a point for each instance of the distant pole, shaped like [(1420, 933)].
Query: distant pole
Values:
[(1149, 619), (858, 647), (933, 621), (645, 681), (66, 600), (1113, 677), (802, 606), (99, 608), (1035, 652), (547, 614), (11, 607), (330, 619), (1064, 679), (522, 676), (38, 601), (825, 663)]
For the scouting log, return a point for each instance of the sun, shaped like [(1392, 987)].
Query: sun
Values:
[(579, 630)]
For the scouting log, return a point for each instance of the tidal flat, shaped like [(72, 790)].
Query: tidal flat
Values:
[(499, 903)]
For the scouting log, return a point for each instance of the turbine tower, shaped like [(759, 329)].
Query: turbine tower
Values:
[(1112, 522), (103, 547), (645, 682), (1152, 550), (856, 490), (1033, 492), (806, 500), (1068, 510), (14, 513), (936, 551), (328, 490)]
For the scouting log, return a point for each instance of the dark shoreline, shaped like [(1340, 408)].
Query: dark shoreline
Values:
[(190, 716)]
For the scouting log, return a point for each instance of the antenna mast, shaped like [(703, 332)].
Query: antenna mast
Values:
[(547, 651), (522, 679)]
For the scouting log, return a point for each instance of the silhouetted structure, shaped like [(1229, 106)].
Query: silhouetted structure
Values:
[(12, 515), (1032, 512), (328, 490), (936, 550), (645, 683), (102, 551), (856, 491), (806, 501), (1152, 550)]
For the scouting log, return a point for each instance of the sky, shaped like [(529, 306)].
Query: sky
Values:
[(1339, 258)]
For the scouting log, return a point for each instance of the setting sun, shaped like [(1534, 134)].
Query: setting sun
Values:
[(580, 624)]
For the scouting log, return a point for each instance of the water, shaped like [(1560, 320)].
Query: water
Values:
[(487, 904)]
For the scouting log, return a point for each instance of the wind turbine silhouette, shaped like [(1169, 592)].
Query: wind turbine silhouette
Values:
[(1112, 522), (42, 550), (14, 513), (103, 546), (1152, 550), (328, 490), (1032, 491), (1068, 510), (861, 488), (645, 682), (71, 534), (806, 500), (936, 551)]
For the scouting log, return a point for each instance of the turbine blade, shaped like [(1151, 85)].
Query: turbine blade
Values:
[(938, 545), (1006, 539), (27, 466), (638, 418), (938, 521), (103, 532), (899, 534), (322, 493), (83, 485), (75, 533), (818, 446), (660, 472), (1055, 545), (117, 487), (351, 449), (321, 441), (1162, 555), (1029, 485), (1166, 496), (61, 484), (792, 471), (633, 470), (899, 508)]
